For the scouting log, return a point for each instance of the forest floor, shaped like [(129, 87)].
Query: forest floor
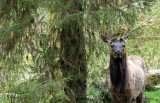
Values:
[(154, 96)]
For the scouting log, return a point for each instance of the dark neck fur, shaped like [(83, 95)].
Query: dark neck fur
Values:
[(118, 69)]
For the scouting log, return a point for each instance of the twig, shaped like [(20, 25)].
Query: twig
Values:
[(147, 37), (145, 23), (117, 9)]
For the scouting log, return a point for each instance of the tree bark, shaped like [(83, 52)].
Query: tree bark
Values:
[(73, 57)]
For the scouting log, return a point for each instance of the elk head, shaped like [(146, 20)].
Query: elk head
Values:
[(117, 46)]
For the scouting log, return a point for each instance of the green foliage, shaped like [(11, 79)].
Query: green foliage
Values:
[(31, 47), (153, 80), (153, 96), (36, 89)]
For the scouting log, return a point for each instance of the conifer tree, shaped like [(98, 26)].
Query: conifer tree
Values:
[(73, 54), (60, 36)]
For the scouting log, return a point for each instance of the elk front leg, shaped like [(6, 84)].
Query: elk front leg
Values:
[(115, 99)]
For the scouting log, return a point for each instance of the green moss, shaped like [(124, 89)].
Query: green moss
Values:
[(149, 87), (153, 79)]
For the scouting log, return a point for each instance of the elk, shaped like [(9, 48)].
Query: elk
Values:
[(127, 74)]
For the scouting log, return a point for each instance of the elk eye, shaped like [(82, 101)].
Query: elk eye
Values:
[(112, 46)]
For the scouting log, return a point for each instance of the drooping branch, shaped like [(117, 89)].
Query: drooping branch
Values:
[(146, 22)]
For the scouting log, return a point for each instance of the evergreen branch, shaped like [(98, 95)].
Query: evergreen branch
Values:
[(117, 9), (40, 19), (31, 51), (145, 23), (72, 10)]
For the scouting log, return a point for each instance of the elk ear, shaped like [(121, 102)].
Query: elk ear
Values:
[(126, 37), (105, 39)]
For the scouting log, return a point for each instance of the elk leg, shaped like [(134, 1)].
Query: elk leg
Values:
[(129, 101), (115, 99), (139, 99)]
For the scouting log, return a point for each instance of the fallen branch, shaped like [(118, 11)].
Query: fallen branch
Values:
[(148, 37)]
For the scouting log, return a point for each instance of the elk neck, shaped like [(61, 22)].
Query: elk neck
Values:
[(118, 72)]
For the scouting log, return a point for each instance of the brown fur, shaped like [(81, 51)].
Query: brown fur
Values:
[(127, 74), (133, 88)]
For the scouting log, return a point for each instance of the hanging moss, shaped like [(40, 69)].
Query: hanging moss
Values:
[(62, 37)]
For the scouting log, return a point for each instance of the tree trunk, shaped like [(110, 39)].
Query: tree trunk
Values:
[(73, 57)]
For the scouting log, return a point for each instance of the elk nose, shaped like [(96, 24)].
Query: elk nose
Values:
[(118, 52)]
